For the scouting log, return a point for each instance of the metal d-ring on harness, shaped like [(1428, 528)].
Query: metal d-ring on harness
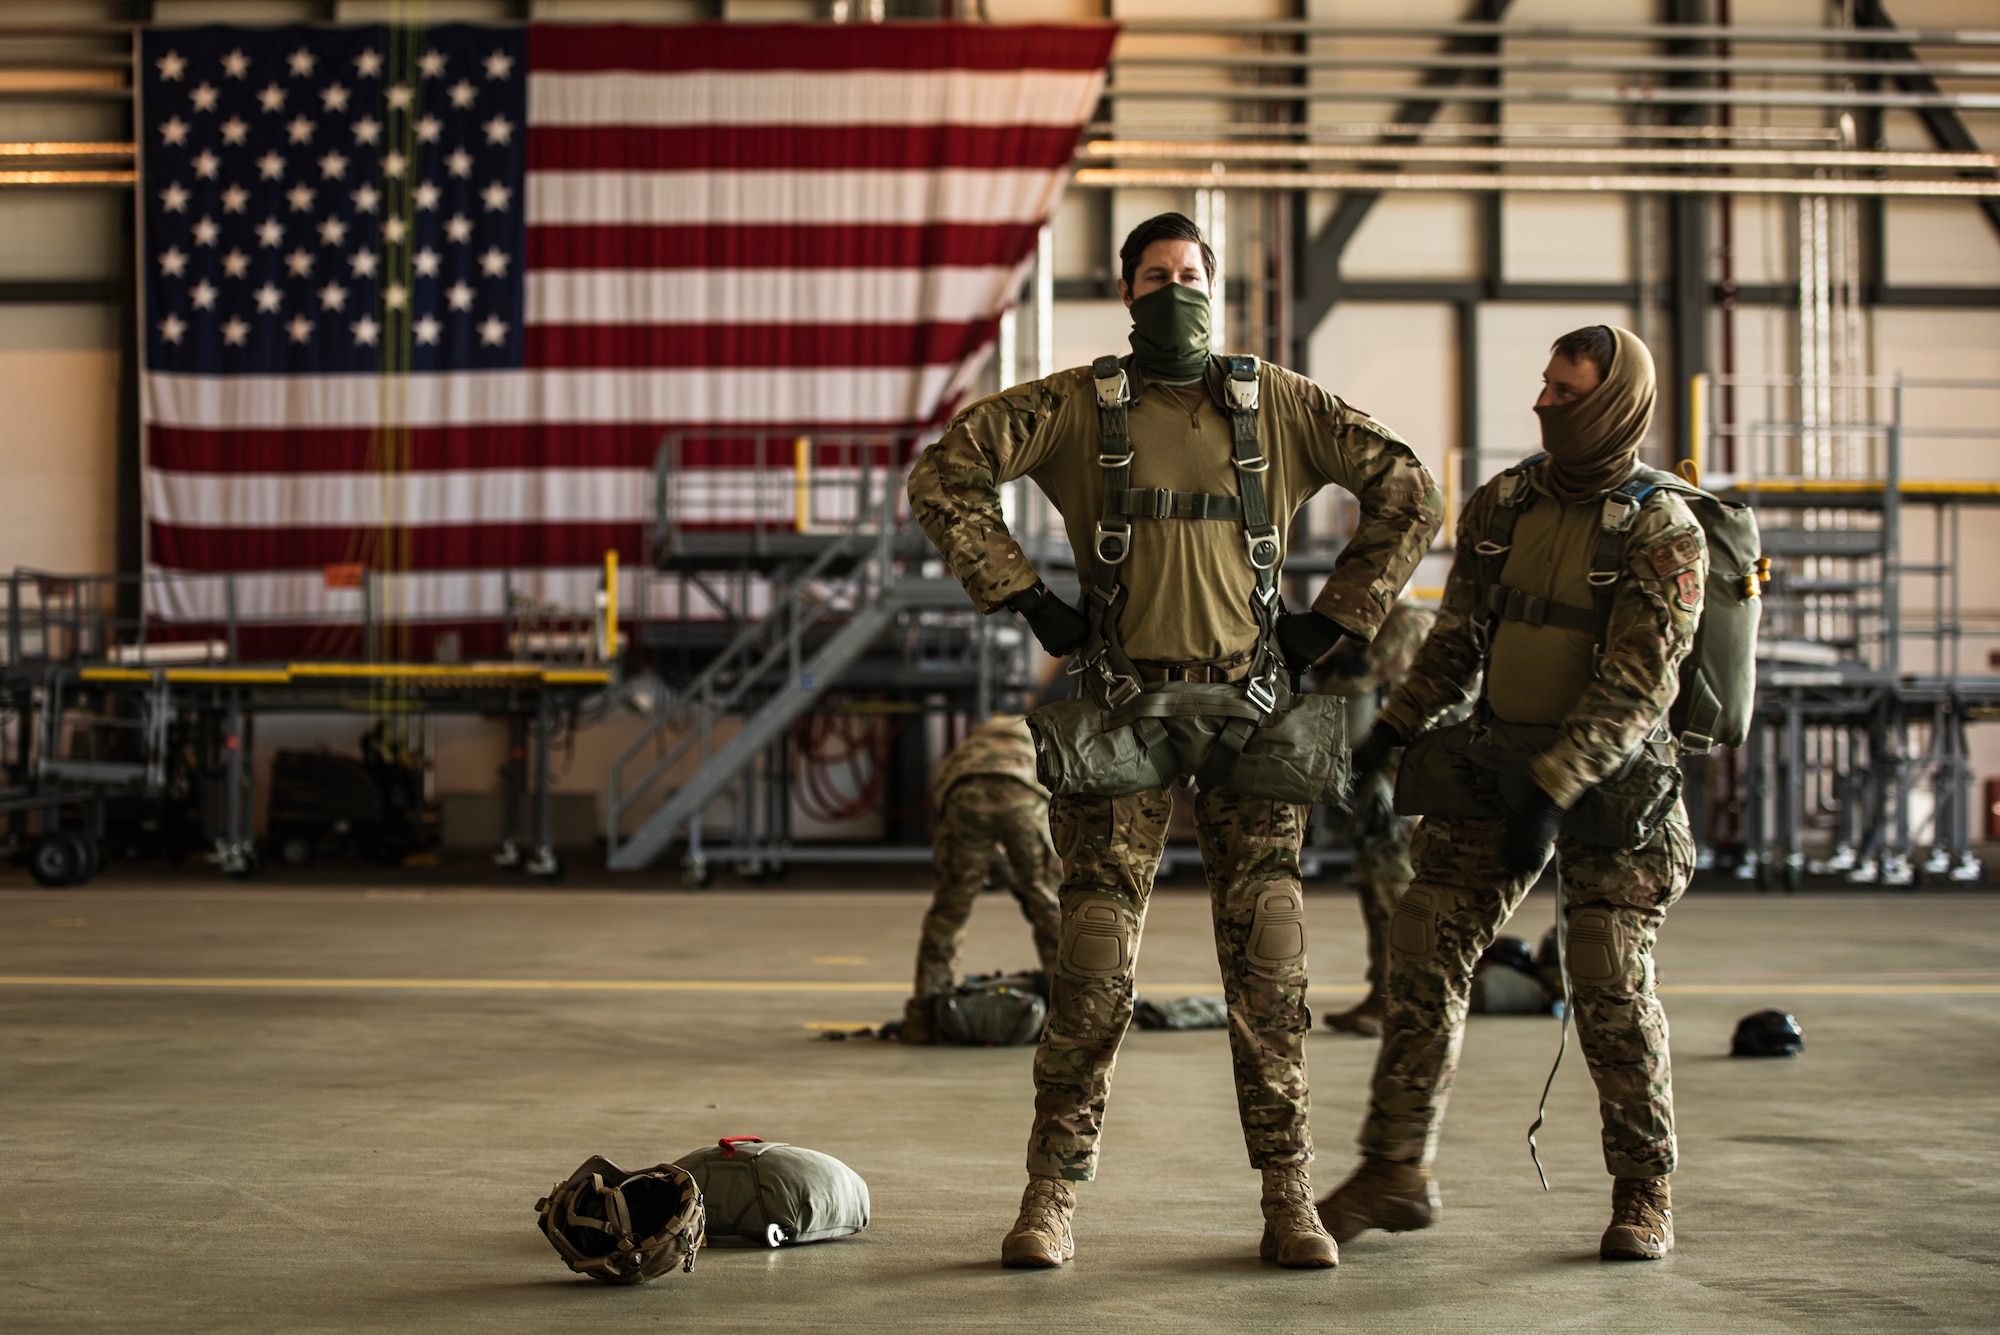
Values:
[(1104, 662)]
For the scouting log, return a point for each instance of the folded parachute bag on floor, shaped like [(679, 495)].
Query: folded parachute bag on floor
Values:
[(764, 1193), (1186, 1013), (993, 1011)]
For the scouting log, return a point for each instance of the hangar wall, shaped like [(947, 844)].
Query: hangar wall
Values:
[(64, 257)]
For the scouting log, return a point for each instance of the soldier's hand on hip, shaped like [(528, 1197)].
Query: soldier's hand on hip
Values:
[(1304, 638), (1532, 835), (1059, 628)]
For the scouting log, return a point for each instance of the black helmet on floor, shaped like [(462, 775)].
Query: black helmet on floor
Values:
[(624, 1228), (1511, 951), (1767, 1034)]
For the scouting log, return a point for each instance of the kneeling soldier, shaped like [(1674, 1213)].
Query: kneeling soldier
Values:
[(1576, 588), (1176, 473)]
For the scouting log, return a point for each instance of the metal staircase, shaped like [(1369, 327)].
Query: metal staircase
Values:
[(862, 607)]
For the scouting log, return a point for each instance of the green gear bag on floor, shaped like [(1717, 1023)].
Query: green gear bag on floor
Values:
[(992, 1011), (764, 1193)]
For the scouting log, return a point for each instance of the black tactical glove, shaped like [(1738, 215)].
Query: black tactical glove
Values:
[(1532, 834), (1373, 754), (1306, 637), (1060, 628)]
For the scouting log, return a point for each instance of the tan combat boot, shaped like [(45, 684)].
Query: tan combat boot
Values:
[(1041, 1237), (1364, 1018), (1293, 1235), (1395, 1197), (917, 1021), (1642, 1220)]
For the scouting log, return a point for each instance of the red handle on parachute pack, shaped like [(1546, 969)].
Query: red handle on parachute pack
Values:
[(729, 1144)]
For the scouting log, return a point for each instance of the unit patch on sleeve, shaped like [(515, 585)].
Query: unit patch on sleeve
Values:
[(1677, 555), (1687, 590)]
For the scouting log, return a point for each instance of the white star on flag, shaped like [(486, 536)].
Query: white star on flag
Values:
[(302, 61), (399, 97), (367, 130), (366, 198), (429, 128), (459, 296), (172, 328), (395, 296), (365, 331), (235, 332), (299, 262), (394, 230), (300, 131), (173, 262), (235, 264), (206, 232), (174, 198), (171, 66), (368, 64), (203, 95), (333, 296), (272, 98), (432, 64), (499, 130), (494, 262), (334, 97), (363, 263), (427, 196), (202, 294), (206, 164), (235, 65), (174, 131), (458, 229), (332, 231), (234, 199), (497, 197), (333, 167), (427, 330), (393, 165), (235, 130), (499, 65), (300, 329), (463, 94), (270, 232), (459, 163), (269, 298), (426, 262), (300, 197), (493, 331), (271, 166)]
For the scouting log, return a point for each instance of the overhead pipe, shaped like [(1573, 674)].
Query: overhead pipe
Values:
[(1564, 32), (1630, 96), (1148, 178), (1865, 159)]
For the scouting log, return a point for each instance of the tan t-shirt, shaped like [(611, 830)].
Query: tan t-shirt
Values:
[(1190, 581)]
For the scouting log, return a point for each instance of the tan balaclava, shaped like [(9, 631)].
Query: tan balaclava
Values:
[(1593, 442)]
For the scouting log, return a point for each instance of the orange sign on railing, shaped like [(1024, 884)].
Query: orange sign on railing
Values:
[(345, 575)]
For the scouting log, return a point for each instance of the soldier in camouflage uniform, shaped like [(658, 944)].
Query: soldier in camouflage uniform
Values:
[(993, 820), (1591, 708), (1379, 837), (1189, 617)]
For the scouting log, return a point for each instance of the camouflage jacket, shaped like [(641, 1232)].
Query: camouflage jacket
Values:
[(1002, 746), (1194, 603), (1654, 613), (1383, 661)]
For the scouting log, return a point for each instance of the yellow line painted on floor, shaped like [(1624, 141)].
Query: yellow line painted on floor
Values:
[(1751, 988)]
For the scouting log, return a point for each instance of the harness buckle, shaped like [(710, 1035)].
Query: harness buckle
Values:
[(1115, 460), (1114, 542), (1262, 545), (1619, 512), (1119, 690), (1486, 548), (1113, 390), (1601, 579), (1261, 692), (1696, 744), (1241, 387), (1256, 463), (1158, 503)]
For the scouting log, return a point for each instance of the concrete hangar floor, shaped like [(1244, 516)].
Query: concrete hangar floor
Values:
[(296, 1107)]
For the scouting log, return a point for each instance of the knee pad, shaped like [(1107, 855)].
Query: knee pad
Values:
[(1277, 945), (1413, 929), (1597, 949), (1100, 936)]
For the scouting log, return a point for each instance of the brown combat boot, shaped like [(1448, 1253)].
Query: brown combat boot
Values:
[(1642, 1220), (1041, 1237), (1394, 1197), (917, 1021), (1364, 1019), (1293, 1235)]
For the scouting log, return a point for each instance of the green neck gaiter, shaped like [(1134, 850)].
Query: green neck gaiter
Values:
[(1170, 334)]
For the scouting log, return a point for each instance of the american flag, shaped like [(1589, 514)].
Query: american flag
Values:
[(426, 300)]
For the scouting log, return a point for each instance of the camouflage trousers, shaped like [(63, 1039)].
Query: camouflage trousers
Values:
[(988, 826), (1382, 873), (1110, 849), (1613, 903)]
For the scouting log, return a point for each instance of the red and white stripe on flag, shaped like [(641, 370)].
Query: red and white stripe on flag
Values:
[(797, 228)]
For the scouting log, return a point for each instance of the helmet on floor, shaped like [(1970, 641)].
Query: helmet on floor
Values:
[(624, 1228), (1767, 1034)]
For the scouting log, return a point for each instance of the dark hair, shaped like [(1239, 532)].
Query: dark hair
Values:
[(1163, 227), (1592, 343)]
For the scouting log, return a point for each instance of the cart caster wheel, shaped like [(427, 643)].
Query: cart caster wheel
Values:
[(545, 865), (57, 859), (296, 851), (508, 857), (697, 875)]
